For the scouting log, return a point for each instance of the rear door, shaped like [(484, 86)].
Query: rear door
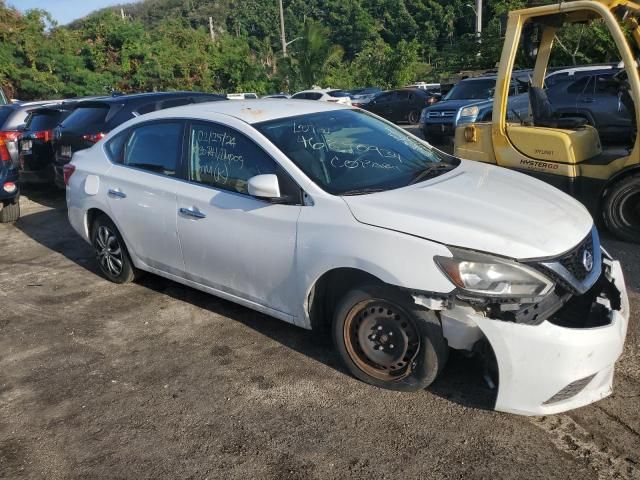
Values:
[(141, 189), (231, 241)]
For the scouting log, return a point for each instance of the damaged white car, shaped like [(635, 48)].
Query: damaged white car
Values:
[(328, 217)]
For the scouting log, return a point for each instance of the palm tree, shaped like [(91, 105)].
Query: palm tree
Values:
[(313, 54)]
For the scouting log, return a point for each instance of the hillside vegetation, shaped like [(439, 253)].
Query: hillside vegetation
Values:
[(166, 44)]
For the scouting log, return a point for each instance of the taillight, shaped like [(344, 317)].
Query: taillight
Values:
[(93, 137), (4, 151), (9, 136), (46, 135), (68, 170)]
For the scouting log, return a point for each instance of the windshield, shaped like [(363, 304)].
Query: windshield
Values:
[(348, 152), (472, 90)]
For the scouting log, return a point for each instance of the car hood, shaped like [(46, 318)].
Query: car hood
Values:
[(452, 104), (481, 207)]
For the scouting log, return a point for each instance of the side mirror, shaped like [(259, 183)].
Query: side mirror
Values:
[(264, 186)]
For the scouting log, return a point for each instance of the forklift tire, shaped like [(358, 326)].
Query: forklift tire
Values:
[(10, 212), (621, 209)]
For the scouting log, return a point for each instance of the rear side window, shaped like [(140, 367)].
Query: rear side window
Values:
[(155, 147), (581, 86), (402, 95), (115, 147), (39, 121), (86, 117)]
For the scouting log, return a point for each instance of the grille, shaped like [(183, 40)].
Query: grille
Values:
[(440, 114), (573, 261), (570, 390)]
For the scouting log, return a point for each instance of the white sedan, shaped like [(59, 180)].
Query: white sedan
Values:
[(324, 95), (329, 217)]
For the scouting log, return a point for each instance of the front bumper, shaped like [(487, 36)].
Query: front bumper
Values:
[(546, 368)]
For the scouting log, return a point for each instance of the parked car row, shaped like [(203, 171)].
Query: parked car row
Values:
[(38, 138)]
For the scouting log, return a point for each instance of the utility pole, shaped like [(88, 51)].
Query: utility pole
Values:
[(213, 37), (479, 20), (282, 37)]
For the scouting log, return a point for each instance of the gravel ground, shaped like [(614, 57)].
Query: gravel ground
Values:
[(157, 380)]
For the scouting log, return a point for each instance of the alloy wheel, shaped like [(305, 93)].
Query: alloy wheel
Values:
[(109, 251)]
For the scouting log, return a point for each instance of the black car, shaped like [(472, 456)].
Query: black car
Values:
[(91, 120), (36, 148), (402, 105), (12, 118)]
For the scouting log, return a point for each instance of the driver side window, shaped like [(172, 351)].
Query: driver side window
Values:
[(224, 158)]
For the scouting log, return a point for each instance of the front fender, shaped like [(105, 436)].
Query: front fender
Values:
[(327, 241)]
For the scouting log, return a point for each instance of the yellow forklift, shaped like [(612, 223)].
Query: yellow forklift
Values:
[(559, 149)]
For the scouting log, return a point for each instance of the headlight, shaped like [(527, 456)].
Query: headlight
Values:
[(469, 111), (492, 276), (423, 115)]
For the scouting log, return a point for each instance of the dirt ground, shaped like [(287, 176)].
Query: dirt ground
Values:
[(156, 380)]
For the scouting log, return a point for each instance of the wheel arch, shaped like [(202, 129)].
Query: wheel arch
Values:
[(621, 175), (329, 288)]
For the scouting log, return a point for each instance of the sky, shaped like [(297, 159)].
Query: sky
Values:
[(64, 11)]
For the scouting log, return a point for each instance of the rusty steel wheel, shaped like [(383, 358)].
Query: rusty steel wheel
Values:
[(381, 339), (386, 340)]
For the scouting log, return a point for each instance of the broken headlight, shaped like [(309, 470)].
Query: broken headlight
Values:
[(492, 276)]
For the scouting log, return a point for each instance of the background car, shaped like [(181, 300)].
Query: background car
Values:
[(242, 96), (9, 185), (278, 95), (402, 105), (92, 119), (362, 96), (461, 105), (593, 96), (12, 120), (35, 144), (324, 95)]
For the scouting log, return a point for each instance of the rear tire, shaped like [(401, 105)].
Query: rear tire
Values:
[(384, 339), (10, 212), (111, 251), (621, 209)]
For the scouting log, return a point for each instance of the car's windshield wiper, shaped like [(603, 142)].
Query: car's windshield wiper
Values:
[(362, 191), (430, 171)]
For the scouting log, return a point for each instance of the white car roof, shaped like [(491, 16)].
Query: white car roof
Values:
[(252, 111)]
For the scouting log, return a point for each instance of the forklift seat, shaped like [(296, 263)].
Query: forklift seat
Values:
[(544, 116)]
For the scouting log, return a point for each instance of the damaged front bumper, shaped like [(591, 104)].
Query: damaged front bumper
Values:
[(561, 363)]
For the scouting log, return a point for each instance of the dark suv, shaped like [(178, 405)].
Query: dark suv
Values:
[(36, 141), (92, 119), (12, 118)]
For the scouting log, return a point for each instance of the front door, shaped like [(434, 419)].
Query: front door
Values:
[(141, 192), (231, 241)]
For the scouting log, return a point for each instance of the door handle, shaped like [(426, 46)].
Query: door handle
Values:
[(588, 100), (116, 193), (192, 212)]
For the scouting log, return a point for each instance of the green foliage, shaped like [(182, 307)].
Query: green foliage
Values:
[(167, 45)]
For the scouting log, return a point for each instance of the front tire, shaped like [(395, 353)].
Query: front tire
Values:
[(385, 340), (111, 252), (10, 212), (413, 117), (621, 209)]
